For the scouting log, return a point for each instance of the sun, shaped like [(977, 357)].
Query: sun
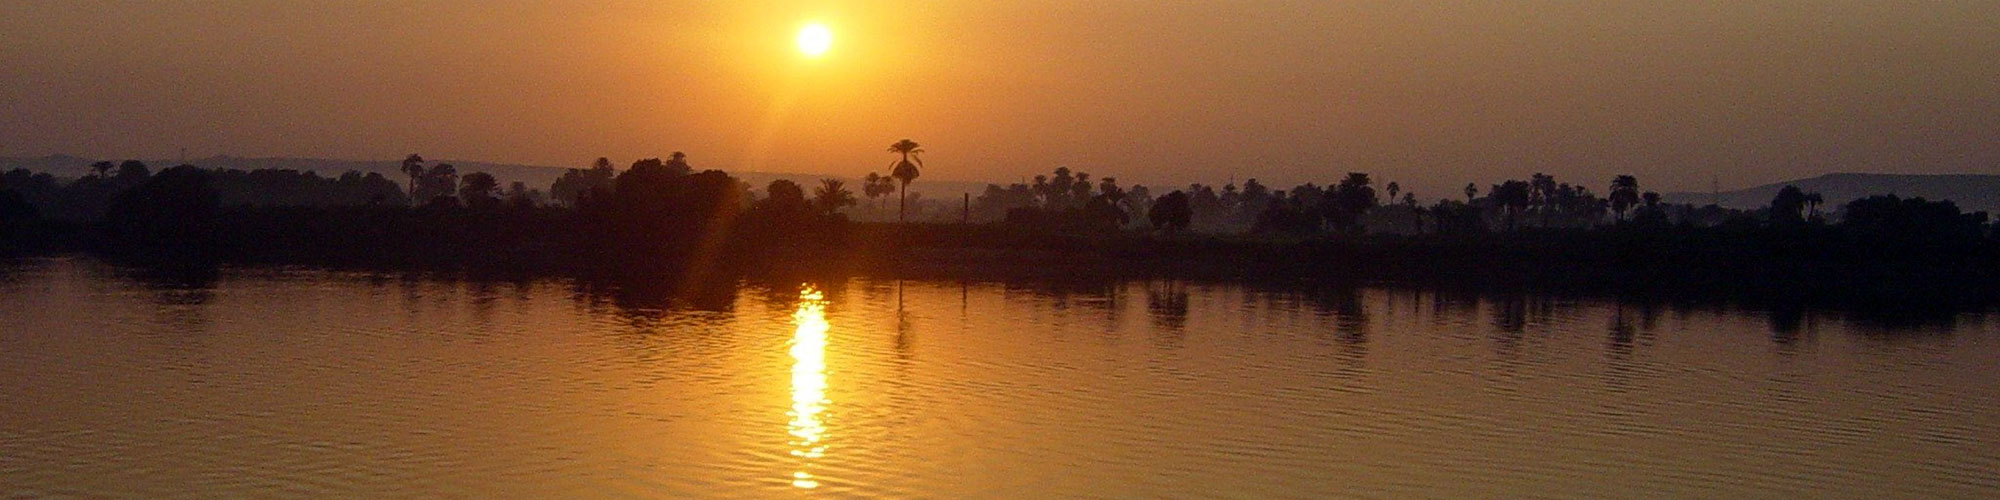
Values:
[(815, 39)]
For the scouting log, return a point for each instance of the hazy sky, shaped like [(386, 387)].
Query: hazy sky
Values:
[(1433, 94)]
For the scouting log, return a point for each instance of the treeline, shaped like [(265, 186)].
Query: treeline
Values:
[(664, 216), (656, 216), (1356, 204), (86, 199)]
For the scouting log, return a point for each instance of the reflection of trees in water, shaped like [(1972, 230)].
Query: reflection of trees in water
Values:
[(1906, 320), (1510, 313), (1786, 325), (1649, 317), (180, 295), (178, 285), (1099, 296), (1619, 350), (12, 269), (484, 296), (641, 301), (906, 337), (1344, 305), (1449, 306), (1619, 375), (1517, 312), (1167, 304), (1622, 332), (1350, 324)]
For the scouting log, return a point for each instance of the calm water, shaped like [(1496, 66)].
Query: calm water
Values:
[(306, 383)]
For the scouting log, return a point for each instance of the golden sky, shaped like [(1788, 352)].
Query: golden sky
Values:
[(1433, 94)]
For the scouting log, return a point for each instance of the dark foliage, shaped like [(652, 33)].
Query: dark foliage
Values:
[(661, 217)]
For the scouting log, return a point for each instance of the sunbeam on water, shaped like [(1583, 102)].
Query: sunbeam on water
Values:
[(808, 385)]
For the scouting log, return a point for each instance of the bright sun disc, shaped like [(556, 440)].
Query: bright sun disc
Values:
[(815, 39)]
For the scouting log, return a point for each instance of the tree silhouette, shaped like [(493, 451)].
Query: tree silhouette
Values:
[(677, 164), (831, 195), (1543, 194), (1911, 223), (1788, 207), (1624, 194), (577, 184), (413, 166), (869, 189), (477, 189), (1079, 191), (1059, 188), (1348, 202), (1512, 198), (1171, 212), (174, 210), (1813, 201), (102, 168), (437, 185), (1651, 214), (784, 195), (133, 171), (1471, 190), (905, 171)]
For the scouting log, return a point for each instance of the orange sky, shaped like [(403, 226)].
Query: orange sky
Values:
[(1433, 94)]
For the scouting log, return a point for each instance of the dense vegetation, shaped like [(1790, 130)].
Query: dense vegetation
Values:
[(663, 218)]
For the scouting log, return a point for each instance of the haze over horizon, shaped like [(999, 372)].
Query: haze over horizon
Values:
[(1432, 95)]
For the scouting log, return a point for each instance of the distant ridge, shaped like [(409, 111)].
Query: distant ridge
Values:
[(1972, 192)]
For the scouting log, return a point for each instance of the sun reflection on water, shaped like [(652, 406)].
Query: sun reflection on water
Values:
[(808, 385)]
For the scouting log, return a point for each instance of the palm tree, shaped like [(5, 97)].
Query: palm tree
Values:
[(831, 195), (1511, 198), (1542, 194), (103, 169), (905, 171), (869, 189), (1471, 190), (1624, 194), (414, 166), (1813, 200)]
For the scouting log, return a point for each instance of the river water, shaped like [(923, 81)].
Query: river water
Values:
[(274, 382)]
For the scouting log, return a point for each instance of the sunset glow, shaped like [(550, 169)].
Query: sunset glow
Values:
[(1076, 249), (814, 40)]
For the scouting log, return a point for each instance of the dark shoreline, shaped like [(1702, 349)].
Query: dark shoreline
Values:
[(1806, 269)]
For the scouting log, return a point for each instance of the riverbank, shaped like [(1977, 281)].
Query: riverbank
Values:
[(1807, 265)]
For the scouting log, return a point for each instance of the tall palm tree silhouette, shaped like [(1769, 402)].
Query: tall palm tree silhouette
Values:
[(413, 165), (905, 171), (1624, 194)]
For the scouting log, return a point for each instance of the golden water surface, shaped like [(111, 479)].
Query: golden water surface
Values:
[(269, 382)]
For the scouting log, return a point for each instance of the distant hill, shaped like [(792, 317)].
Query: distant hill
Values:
[(1972, 192), (536, 176), (57, 165)]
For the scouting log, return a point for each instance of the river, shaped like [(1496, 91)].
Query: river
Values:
[(287, 382)]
